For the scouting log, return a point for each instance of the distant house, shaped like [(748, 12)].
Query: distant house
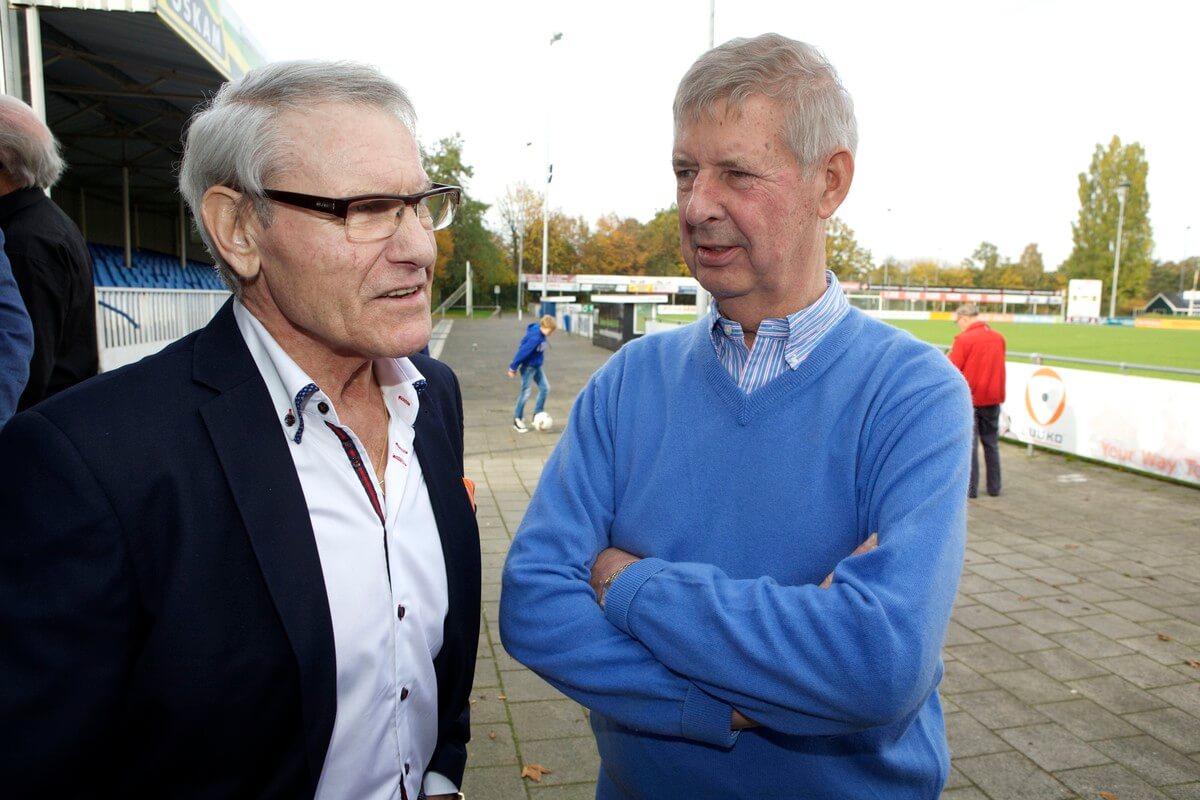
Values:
[(1174, 303)]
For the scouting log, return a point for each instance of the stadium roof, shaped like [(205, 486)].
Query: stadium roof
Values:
[(121, 77)]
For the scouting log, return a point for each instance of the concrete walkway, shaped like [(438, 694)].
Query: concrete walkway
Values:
[(1067, 663)]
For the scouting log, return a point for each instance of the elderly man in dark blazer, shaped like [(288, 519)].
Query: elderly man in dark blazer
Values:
[(248, 566)]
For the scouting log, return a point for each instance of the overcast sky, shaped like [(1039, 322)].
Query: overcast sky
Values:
[(975, 119)]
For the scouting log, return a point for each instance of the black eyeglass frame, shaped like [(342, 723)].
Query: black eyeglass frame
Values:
[(340, 206)]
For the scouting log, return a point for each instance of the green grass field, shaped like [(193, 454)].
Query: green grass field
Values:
[(1163, 348)]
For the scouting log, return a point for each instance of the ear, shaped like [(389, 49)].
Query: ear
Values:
[(229, 230), (838, 173)]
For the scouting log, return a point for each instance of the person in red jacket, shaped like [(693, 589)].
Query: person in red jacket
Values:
[(978, 352)]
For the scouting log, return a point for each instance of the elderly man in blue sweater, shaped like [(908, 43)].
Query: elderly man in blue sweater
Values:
[(696, 566)]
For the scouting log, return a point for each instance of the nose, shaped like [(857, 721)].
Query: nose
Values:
[(703, 201), (412, 241)]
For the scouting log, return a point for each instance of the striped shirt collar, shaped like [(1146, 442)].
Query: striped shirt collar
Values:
[(781, 342)]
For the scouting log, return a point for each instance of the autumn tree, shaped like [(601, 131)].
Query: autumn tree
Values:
[(956, 277), (1095, 233), (987, 264), (1032, 267), (659, 244), (843, 254), (521, 211), (1170, 276), (924, 272), (613, 248), (468, 238)]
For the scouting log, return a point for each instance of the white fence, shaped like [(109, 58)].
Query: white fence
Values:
[(133, 323)]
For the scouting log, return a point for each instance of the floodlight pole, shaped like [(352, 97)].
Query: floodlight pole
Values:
[(1122, 190), (546, 196), (1187, 234), (520, 265)]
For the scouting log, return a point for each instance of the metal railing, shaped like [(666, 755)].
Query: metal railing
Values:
[(1124, 366), (133, 317)]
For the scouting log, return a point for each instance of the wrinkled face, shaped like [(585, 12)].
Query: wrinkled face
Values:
[(326, 295), (748, 218)]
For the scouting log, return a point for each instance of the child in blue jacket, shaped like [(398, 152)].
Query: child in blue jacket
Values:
[(528, 361)]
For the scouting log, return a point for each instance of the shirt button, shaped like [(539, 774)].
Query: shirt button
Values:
[(400, 612), (404, 693), (323, 407)]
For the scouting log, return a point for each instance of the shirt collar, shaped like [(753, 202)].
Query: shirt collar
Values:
[(295, 396), (802, 329)]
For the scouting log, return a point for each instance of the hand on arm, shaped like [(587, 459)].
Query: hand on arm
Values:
[(612, 561)]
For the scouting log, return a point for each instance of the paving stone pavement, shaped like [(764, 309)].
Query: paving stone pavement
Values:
[(1067, 669)]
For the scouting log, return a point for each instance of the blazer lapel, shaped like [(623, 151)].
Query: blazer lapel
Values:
[(440, 465), (267, 491)]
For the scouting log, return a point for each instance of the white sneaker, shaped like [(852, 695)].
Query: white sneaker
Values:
[(519, 426)]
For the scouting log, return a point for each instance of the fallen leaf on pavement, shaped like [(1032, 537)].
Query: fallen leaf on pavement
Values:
[(535, 772), (1107, 796), (491, 734), (501, 697), (1192, 664), (1162, 637), (1071, 546)]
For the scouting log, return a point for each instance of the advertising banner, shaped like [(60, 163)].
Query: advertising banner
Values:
[(1144, 424), (213, 31)]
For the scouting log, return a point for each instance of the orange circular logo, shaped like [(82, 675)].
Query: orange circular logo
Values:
[(1045, 396)]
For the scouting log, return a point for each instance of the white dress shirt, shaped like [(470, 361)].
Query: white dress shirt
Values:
[(385, 576)]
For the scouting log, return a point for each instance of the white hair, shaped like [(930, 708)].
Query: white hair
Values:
[(818, 111), (28, 150), (234, 140)]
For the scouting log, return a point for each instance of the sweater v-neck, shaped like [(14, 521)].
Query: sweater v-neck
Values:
[(745, 407)]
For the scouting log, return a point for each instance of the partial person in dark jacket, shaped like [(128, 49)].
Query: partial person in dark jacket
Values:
[(16, 340), (531, 352), (49, 258), (978, 352)]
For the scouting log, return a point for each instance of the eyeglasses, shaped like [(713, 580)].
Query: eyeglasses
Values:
[(374, 217)]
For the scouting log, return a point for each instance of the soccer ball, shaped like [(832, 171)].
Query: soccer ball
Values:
[(542, 421)]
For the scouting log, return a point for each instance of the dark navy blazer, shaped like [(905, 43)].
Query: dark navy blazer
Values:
[(164, 628)]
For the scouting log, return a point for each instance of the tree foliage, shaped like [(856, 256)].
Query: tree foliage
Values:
[(468, 239), (1095, 233), (844, 256), (1032, 267)]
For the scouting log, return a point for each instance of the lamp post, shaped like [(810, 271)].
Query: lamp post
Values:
[(1187, 234), (546, 196), (1122, 191), (518, 231)]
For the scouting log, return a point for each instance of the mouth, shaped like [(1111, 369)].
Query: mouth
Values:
[(715, 255), (398, 293)]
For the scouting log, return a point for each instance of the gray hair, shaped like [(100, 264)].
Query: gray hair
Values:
[(968, 310), (234, 140), (27, 147), (818, 111)]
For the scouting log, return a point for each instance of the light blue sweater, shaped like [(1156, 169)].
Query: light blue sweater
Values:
[(739, 506)]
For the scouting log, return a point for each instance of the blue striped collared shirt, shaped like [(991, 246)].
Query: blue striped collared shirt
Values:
[(779, 343)]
